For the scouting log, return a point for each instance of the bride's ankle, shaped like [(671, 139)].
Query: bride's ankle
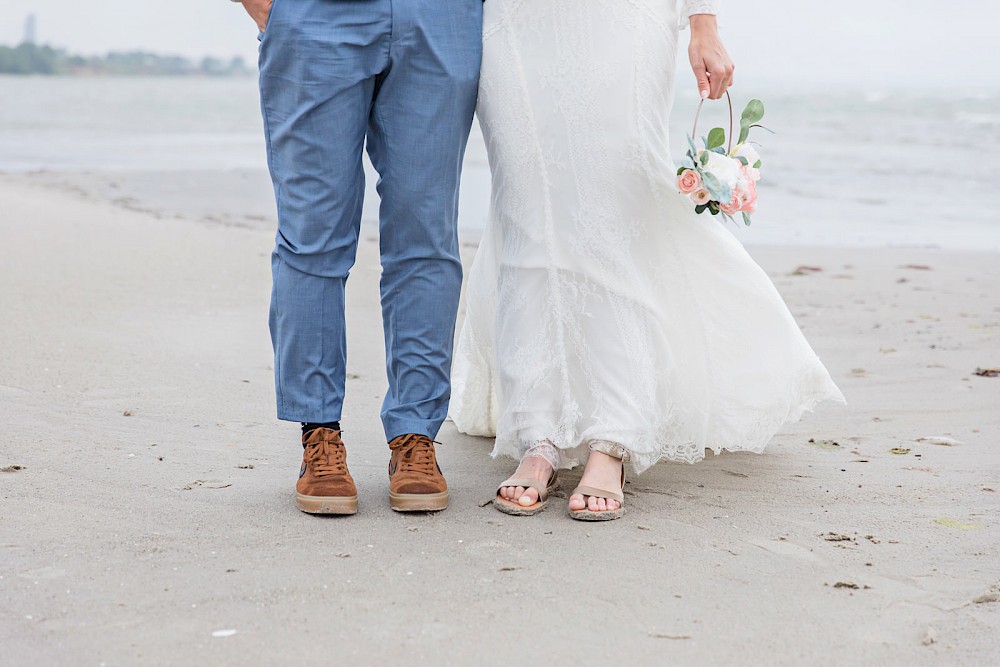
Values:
[(542, 454), (535, 466), (610, 449)]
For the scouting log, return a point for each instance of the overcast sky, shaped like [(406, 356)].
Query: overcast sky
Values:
[(820, 42)]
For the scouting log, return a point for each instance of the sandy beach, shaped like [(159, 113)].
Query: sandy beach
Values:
[(147, 516)]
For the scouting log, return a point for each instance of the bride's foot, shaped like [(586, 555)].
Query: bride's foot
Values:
[(531, 467), (602, 472)]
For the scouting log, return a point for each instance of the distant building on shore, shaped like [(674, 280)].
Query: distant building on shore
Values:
[(30, 26)]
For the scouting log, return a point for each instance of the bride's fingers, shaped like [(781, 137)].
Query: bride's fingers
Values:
[(704, 84), (721, 77), (723, 86), (729, 83), (721, 82)]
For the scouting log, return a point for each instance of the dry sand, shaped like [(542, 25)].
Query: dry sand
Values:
[(146, 515)]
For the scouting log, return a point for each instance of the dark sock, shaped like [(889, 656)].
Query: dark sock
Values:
[(309, 427)]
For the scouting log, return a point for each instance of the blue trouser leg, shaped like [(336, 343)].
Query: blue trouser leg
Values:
[(405, 72), (319, 60), (418, 132)]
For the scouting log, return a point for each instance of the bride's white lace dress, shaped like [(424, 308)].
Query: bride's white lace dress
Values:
[(600, 307)]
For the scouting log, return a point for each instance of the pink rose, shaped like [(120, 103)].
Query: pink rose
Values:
[(748, 198), (701, 197), (752, 175), (688, 181), (734, 204)]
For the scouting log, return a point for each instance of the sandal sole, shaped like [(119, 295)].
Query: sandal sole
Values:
[(586, 515), (507, 507), (514, 509)]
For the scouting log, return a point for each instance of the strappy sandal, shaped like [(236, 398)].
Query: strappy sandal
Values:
[(606, 515), (517, 509)]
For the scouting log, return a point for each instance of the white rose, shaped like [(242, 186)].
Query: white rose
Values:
[(726, 169), (747, 150), (741, 183)]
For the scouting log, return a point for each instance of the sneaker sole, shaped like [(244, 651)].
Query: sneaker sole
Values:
[(327, 504), (418, 502)]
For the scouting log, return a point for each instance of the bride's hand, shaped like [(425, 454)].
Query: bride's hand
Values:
[(258, 11), (711, 64)]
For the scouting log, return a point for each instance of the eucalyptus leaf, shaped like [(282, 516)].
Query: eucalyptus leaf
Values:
[(752, 113), (746, 219), (720, 150), (716, 137), (756, 165), (743, 160), (720, 191), (704, 159)]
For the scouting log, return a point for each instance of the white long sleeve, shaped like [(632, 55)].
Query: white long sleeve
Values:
[(689, 7)]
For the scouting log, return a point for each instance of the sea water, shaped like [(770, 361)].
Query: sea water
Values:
[(845, 167)]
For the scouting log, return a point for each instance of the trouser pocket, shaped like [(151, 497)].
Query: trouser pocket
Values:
[(267, 21)]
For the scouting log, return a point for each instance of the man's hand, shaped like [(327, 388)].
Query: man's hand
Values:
[(711, 64), (258, 11)]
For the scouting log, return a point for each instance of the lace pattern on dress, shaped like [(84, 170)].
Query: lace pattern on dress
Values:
[(599, 307), (544, 449), (691, 7)]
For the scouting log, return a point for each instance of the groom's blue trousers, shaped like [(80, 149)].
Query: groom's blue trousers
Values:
[(402, 77)]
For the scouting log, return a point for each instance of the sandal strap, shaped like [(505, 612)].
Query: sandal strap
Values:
[(598, 493), (601, 493), (528, 483)]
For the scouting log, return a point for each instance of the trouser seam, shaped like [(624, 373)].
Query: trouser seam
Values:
[(390, 345), (277, 324)]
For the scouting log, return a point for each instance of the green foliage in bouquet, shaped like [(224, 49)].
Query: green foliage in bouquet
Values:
[(724, 186)]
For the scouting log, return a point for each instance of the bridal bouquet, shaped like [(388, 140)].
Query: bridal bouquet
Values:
[(723, 180)]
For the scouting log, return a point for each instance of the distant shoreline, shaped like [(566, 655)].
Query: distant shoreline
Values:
[(29, 59)]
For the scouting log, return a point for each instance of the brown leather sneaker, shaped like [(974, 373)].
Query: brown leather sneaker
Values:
[(415, 480), (325, 486)]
